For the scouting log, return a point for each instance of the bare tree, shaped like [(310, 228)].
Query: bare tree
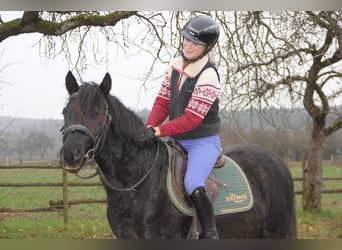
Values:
[(130, 32), (267, 59), (38, 142), (289, 59)]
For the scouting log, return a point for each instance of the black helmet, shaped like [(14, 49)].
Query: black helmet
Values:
[(202, 30)]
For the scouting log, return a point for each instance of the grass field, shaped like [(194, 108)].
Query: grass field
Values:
[(88, 221), (328, 223)]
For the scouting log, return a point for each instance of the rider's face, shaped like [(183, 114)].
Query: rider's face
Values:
[(192, 50)]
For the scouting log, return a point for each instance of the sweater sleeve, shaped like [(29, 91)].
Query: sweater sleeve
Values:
[(187, 122), (160, 108), (159, 112)]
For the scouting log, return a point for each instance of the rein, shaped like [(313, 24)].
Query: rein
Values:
[(133, 187), (103, 178)]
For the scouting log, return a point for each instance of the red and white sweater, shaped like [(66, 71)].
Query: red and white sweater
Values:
[(205, 93)]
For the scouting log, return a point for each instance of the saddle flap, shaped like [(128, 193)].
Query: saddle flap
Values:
[(178, 165), (233, 193)]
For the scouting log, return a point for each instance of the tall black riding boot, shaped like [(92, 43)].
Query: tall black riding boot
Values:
[(205, 213)]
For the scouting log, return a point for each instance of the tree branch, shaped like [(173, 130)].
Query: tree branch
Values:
[(333, 128), (31, 22)]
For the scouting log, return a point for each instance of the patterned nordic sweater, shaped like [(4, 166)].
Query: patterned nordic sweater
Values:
[(205, 93)]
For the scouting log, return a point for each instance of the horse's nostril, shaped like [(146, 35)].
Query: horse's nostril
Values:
[(76, 153)]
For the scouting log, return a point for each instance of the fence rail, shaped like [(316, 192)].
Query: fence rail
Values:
[(48, 184), (327, 191), (64, 204), (30, 167)]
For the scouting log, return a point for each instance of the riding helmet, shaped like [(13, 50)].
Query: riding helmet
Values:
[(202, 30)]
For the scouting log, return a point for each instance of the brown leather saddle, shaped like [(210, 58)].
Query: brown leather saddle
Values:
[(178, 164)]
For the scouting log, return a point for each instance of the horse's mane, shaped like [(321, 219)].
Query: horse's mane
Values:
[(124, 121)]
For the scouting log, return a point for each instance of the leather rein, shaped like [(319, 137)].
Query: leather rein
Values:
[(133, 187)]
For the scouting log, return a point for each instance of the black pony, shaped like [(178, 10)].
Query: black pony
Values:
[(133, 168)]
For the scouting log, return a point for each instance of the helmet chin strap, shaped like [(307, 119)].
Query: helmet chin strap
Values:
[(207, 49)]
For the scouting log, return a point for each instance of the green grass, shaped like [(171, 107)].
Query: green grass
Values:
[(92, 225), (328, 223), (88, 221)]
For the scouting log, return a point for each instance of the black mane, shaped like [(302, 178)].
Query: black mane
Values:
[(125, 122)]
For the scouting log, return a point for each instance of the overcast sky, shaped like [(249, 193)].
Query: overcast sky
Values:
[(33, 87)]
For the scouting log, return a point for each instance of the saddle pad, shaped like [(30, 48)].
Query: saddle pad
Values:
[(234, 198)]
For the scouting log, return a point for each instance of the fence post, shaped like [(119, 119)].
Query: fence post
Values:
[(304, 175), (333, 159), (65, 198)]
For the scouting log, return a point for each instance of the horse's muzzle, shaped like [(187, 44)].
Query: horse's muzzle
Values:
[(72, 160)]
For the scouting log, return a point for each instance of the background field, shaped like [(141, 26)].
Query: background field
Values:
[(88, 221)]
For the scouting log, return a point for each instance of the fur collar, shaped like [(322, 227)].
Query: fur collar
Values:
[(192, 69)]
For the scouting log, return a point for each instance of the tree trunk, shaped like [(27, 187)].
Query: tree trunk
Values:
[(312, 195)]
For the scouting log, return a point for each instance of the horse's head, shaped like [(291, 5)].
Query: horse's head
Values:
[(86, 121)]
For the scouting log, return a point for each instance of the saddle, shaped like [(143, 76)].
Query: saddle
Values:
[(178, 165)]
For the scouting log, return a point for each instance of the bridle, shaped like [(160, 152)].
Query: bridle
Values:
[(97, 136)]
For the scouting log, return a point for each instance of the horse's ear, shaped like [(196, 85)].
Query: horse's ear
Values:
[(106, 84), (71, 83)]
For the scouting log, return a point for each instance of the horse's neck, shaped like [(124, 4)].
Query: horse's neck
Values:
[(126, 155), (126, 162)]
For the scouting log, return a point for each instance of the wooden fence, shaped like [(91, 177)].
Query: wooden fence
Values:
[(54, 205), (65, 203)]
